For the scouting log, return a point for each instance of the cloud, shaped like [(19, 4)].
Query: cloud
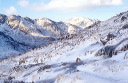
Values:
[(23, 3), (70, 5), (10, 10)]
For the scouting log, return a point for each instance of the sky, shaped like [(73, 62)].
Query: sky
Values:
[(63, 10)]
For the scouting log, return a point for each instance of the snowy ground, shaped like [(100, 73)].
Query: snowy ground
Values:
[(61, 66), (73, 60)]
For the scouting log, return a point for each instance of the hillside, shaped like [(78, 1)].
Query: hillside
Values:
[(95, 54), (21, 34)]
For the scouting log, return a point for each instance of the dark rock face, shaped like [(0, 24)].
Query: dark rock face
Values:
[(109, 37), (109, 51), (2, 18), (123, 18), (29, 20), (124, 48), (106, 52), (125, 26)]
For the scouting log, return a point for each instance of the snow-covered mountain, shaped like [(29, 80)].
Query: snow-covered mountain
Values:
[(97, 54), (83, 22), (20, 34)]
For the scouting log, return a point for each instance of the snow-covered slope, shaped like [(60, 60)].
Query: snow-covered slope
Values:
[(22, 33), (82, 58), (56, 29), (30, 33)]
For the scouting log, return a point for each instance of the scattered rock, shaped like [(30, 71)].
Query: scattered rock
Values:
[(123, 18), (21, 62), (109, 37), (64, 64), (44, 67), (125, 26), (124, 48), (78, 60), (10, 78), (126, 55)]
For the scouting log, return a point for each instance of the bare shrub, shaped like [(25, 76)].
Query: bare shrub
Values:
[(10, 78), (21, 62), (44, 67)]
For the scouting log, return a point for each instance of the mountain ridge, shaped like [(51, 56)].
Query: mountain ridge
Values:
[(40, 32), (98, 53)]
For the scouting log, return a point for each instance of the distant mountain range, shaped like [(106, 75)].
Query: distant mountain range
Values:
[(20, 34)]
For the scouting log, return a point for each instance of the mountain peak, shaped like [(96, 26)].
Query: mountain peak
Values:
[(82, 21), (2, 18)]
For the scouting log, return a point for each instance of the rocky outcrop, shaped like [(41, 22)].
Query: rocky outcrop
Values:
[(125, 26), (29, 20), (108, 37), (13, 21), (109, 51)]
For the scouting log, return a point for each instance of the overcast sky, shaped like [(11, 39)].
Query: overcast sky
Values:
[(64, 9)]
